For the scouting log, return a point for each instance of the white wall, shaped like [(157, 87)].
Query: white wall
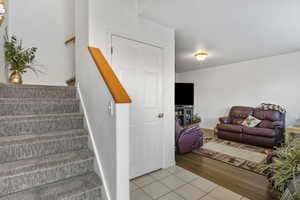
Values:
[(95, 98), (273, 79), (106, 131), (46, 25), (3, 71), (94, 26), (121, 18)]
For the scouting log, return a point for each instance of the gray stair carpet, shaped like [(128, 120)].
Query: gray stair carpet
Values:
[(44, 152)]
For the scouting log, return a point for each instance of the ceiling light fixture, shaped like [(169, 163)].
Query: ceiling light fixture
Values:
[(201, 56), (2, 11)]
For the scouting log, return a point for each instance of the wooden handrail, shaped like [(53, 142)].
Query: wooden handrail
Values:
[(115, 87), (70, 40)]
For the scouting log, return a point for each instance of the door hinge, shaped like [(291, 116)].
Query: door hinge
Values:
[(111, 50)]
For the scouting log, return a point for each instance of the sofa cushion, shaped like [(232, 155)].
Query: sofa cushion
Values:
[(266, 124), (267, 115), (225, 120), (251, 121), (240, 112), (191, 129), (230, 127), (237, 121), (269, 142), (225, 135), (263, 132), (178, 130)]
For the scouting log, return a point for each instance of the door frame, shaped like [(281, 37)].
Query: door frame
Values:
[(124, 36)]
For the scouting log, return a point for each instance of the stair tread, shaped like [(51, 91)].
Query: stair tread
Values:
[(37, 91), (55, 135), (37, 86), (19, 106), (44, 152), (39, 116), (39, 100), (22, 167), (60, 190), (14, 125)]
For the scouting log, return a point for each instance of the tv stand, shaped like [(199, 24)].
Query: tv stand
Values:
[(185, 114)]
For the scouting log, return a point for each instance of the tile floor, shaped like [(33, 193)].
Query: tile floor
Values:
[(176, 183)]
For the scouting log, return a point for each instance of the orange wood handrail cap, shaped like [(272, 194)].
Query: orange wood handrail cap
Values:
[(115, 87)]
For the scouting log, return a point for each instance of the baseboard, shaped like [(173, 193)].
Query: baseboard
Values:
[(173, 163), (105, 193)]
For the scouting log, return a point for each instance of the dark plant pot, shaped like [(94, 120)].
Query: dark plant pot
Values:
[(294, 186)]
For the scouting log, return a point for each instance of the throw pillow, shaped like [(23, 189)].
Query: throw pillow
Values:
[(251, 121)]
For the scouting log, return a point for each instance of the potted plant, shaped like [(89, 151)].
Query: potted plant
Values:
[(285, 169), (293, 190), (19, 59), (196, 119)]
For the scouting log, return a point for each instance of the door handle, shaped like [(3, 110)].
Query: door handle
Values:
[(161, 115)]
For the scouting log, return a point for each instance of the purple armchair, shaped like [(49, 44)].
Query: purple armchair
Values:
[(188, 139)]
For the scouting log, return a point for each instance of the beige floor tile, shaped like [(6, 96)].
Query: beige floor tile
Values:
[(171, 196), (133, 186), (172, 182), (189, 192), (244, 198), (174, 169), (143, 180), (160, 174), (221, 193), (186, 176), (139, 195), (207, 197), (204, 184), (156, 190)]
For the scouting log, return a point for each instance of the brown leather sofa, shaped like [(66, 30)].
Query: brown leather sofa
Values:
[(269, 133)]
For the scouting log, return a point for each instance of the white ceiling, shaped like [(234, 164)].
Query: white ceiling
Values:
[(229, 30)]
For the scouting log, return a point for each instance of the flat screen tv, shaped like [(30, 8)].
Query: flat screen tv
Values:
[(184, 94)]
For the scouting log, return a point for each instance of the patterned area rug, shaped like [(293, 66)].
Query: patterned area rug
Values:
[(245, 156)]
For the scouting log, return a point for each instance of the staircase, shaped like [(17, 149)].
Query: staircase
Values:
[(44, 151)]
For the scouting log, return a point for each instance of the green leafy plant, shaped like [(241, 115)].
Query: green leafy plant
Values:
[(20, 59), (297, 187), (196, 119), (297, 194), (286, 165)]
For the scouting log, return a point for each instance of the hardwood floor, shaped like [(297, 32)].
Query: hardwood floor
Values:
[(244, 182)]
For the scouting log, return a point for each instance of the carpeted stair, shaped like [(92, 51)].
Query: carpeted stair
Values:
[(44, 152)]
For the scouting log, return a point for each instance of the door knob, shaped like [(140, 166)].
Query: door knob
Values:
[(161, 115)]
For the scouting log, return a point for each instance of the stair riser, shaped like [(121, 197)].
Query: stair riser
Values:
[(90, 195), (85, 187), (38, 178), (11, 153), (15, 92), (38, 108), (39, 126)]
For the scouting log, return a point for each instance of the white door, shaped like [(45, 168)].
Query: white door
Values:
[(139, 68)]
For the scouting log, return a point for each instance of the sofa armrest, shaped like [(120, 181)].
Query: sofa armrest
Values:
[(278, 124), (225, 120)]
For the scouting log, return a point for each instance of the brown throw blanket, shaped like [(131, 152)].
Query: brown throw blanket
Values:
[(269, 106)]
